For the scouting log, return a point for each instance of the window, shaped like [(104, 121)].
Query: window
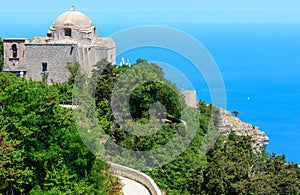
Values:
[(68, 32), (14, 49), (44, 67)]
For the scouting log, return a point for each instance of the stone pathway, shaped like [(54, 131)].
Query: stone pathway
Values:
[(131, 187)]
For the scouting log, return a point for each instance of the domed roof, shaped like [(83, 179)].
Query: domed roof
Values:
[(73, 19)]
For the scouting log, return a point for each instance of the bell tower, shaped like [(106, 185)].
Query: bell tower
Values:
[(14, 50)]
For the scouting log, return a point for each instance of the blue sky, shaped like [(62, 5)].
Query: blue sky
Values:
[(21, 18), (155, 11)]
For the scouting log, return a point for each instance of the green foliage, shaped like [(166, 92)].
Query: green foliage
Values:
[(104, 77), (235, 112), (230, 167), (183, 174), (74, 71), (65, 91), (41, 151), (149, 93), (234, 168), (9, 156)]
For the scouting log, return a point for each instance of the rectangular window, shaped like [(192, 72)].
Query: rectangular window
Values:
[(44, 67)]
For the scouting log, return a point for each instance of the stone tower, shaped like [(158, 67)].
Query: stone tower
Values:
[(72, 38)]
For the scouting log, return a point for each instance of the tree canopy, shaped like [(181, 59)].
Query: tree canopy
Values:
[(41, 151)]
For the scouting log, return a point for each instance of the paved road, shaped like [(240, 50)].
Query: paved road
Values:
[(131, 187)]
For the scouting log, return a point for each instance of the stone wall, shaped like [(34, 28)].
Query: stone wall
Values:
[(105, 49), (55, 55), (190, 98), (14, 64), (137, 176)]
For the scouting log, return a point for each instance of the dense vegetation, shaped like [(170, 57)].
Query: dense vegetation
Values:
[(231, 166), (41, 151)]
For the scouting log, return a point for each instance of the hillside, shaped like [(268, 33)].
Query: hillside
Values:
[(53, 150)]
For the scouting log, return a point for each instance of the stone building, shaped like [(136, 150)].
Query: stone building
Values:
[(72, 38), (190, 98)]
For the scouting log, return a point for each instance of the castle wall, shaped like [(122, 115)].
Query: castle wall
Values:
[(54, 56)]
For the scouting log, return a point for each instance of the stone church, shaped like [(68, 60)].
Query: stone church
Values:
[(72, 38)]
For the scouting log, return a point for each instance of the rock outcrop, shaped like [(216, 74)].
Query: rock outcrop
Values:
[(228, 123)]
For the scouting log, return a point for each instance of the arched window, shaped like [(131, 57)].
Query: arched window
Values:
[(14, 49), (68, 32)]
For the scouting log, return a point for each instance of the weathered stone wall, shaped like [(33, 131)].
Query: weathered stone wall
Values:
[(55, 55), (14, 64), (108, 54), (190, 98), (105, 49)]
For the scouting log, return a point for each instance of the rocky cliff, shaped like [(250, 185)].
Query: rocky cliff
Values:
[(228, 123)]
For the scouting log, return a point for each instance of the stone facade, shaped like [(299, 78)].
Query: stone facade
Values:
[(72, 38), (54, 56)]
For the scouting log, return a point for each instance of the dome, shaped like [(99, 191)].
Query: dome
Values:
[(73, 19)]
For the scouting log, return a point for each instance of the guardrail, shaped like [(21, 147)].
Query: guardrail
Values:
[(137, 176)]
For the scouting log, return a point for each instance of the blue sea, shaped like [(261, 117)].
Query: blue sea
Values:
[(260, 66)]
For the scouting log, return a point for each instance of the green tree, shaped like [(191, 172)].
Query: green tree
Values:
[(230, 166), (104, 77), (276, 176), (236, 113), (234, 168), (42, 150), (74, 71)]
